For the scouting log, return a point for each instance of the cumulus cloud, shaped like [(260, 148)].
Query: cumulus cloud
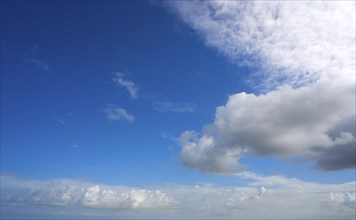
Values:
[(117, 114), (174, 107), (305, 54), (340, 201), (76, 192), (262, 196), (130, 86), (96, 196), (204, 154)]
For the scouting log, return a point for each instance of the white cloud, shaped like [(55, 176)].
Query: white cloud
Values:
[(129, 85), (340, 201), (204, 154), (96, 196), (118, 114), (280, 197), (174, 107), (276, 180), (75, 192), (295, 42), (305, 51)]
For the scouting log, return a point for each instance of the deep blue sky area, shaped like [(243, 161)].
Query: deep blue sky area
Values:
[(83, 45), (58, 61)]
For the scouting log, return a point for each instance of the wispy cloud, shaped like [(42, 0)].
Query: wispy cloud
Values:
[(39, 64), (129, 85), (117, 114), (306, 55), (33, 58), (255, 200), (174, 107), (75, 145), (61, 121), (294, 43)]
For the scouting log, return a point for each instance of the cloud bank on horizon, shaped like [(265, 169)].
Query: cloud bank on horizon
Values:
[(78, 198), (305, 102)]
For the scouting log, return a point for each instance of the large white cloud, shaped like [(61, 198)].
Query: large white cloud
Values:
[(262, 196), (295, 42), (305, 55)]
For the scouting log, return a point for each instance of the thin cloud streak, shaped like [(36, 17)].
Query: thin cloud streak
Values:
[(60, 121), (39, 64), (174, 107)]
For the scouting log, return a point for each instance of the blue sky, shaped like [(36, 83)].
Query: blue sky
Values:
[(54, 109), (153, 94)]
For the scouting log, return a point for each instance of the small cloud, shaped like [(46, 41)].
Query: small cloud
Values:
[(168, 136), (75, 145), (118, 114), (39, 63), (174, 107), (129, 85), (61, 121)]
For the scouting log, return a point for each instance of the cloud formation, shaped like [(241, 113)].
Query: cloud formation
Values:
[(262, 196), (294, 42), (39, 63), (117, 114), (174, 107), (340, 201), (33, 53), (76, 192), (305, 107), (130, 86), (60, 121)]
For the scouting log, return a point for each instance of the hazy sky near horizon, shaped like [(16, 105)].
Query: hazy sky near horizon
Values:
[(178, 109)]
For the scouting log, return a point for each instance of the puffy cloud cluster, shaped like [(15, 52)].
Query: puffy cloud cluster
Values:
[(305, 52), (206, 155), (262, 196), (58, 192), (133, 198), (340, 201)]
